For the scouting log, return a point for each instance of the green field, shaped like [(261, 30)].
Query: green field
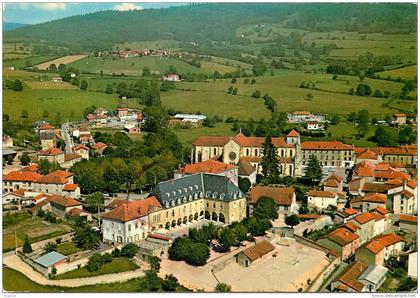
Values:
[(67, 248), (21, 63), (405, 73), (117, 265), (211, 98), (188, 135), (133, 66), (66, 102), (14, 281)]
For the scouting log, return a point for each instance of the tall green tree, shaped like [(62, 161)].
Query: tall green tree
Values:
[(17, 85), (314, 169), (83, 85), (292, 220), (27, 248), (269, 163), (24, 159), (265, 208)]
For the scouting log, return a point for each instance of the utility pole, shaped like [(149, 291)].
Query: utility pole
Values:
[(16, 245)]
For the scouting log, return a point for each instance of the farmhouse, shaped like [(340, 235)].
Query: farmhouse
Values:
[(333, 183), (55, 183), (172, 77), (7, 141), (342, 241), (82, 150), (99, 147), (400, 119), (132, 129), (284, 197), (62, 205), (255, 253), (369, 202)]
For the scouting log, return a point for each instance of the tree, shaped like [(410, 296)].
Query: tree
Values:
[(227, 238), (269, 163), (386, 136), (45, 114), (146, 72), (244, 184), (407, 284), (235, 91), (335, 120), (95, 262), (152, 282), (292, 220), (170, 283), (256, 94), (85, 237), (83, 85), (109, 89), (52, 68), (314, 169), (198, 255), (363, 90), (129, 250), (230, 89), (377, 93), (6, 117), (154, 263), (223, 288), (49, 247), (24, 159), (94, 201), (24, 114), (265, 208), (27, 248), (233, 81), (17, 85)]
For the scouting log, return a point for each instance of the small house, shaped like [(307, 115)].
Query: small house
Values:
[(46, 262), (255, 253)]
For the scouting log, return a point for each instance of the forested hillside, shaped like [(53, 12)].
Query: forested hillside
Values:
[(213, 22)]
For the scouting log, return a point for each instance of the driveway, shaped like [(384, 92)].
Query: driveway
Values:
[(14, 262)]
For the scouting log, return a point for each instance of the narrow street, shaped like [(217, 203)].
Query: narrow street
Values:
[(67, 137)]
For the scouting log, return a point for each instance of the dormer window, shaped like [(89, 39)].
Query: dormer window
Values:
[(190, 198), (200, 194), (191, 188), (222, 196), (184, 199), (172, 203), (214, 195), (196, 186), (180, 191), (178, 201), (166, 204), (185, 190), (208, 194), (168, 195)]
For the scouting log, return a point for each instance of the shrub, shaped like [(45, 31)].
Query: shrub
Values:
[(129, 250), (95, 263), (170, 283), (223, 288)]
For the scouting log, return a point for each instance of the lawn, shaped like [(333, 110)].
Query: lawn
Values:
[(117, 265), (188, 135), (69, 103), (14, 281), (405, 73), (67, 248), (134, 65), (9, 242), (347, 133), (21, 63), (35, 228)]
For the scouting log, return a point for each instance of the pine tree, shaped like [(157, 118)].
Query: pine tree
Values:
[(269, 163), (314, 169), (24, 159), (27, 246)]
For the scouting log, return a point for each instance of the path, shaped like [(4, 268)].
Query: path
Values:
[(65, 128), (14, 262)]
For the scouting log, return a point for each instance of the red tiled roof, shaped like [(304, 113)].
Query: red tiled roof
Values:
[(351, 226), (116, 202), (40, 196), (32, 168), (70, 187), (407, 193), (80, 146), (158, 236), (258, 250), (412, 183), (381, 210), (364, 218), (19, 192), (240, 139), (301, 113), (351, 274), (348, 212), (56, 177), (71, 156), (400, 115), (378, 216), (98, 145), (51, 151), (342, 236), (323, 145), (405, 217), (378, 243), (46, 126), (64, 201), (133, 209), (309, 216), (282, 195), (321, 193), (368, 154), (76, 212), (22, 176), (392, 174), (293, 133), (364, 169), (371, 198), (208, 166), (331, 183), (394, 182)]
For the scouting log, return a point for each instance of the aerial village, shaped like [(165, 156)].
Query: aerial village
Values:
[(344, 233)]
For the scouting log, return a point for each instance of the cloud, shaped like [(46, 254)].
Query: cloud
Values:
[(51, 6), (127, 6)]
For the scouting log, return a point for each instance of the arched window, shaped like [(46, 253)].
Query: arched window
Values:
[(200, 194), (178, 201), (208, 194), (166, 204), (172, 203), (190, 198), (184, 199), (214, 195), (222, 196)]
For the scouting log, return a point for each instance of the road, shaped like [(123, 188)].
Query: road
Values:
[(65, 130)]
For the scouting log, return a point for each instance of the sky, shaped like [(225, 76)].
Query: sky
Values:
[(35, 13)]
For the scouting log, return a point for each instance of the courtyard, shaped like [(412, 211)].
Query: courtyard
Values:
[(290, 271)]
